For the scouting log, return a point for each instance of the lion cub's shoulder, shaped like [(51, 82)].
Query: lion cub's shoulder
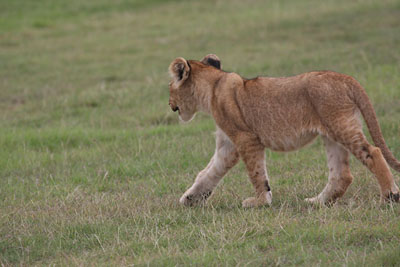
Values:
[(232, 78)]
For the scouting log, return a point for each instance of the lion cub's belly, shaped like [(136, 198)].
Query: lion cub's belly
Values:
[(288, 142)]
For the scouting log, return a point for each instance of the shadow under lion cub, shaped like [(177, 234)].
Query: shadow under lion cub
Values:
[(282, 114)]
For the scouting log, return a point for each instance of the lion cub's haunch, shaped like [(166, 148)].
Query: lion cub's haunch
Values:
[(282, 114)]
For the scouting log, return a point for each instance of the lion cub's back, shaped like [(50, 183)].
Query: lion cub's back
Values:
[(279, 111)]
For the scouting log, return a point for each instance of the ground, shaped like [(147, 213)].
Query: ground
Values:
[(93, 161)]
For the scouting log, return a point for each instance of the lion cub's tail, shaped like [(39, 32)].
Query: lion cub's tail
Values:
[(365, 106)]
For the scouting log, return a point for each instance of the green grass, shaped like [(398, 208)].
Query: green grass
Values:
[(93, 162)]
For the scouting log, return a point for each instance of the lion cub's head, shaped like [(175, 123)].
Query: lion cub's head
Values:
[(183, 84)]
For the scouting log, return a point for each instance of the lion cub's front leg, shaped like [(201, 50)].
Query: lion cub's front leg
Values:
[(253, 156), (225, 157)]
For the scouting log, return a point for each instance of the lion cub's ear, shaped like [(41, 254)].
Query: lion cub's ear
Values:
[(179, 69), (212, 60)]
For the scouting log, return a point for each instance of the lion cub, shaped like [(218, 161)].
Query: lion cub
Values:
[(282, 114)]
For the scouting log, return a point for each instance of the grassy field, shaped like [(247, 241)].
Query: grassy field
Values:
[(93, 161)]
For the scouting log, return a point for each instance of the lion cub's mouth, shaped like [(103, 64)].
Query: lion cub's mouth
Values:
[(174, 109)]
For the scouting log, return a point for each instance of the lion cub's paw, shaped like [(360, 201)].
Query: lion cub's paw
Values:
[(391, 197), (264, 199), (395, 197), (315, 201), (191, 199)]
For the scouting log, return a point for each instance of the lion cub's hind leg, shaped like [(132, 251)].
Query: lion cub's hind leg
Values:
[(372, 157), (339, 173)]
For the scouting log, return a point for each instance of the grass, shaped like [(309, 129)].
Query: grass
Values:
[(93, 162)]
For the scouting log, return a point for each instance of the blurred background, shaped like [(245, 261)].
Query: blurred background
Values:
[(82, 64), (88, 142)]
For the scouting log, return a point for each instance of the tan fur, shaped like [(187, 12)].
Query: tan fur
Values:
[(282, 114)]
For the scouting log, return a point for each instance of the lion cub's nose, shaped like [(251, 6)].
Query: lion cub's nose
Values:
[(174, 108)]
